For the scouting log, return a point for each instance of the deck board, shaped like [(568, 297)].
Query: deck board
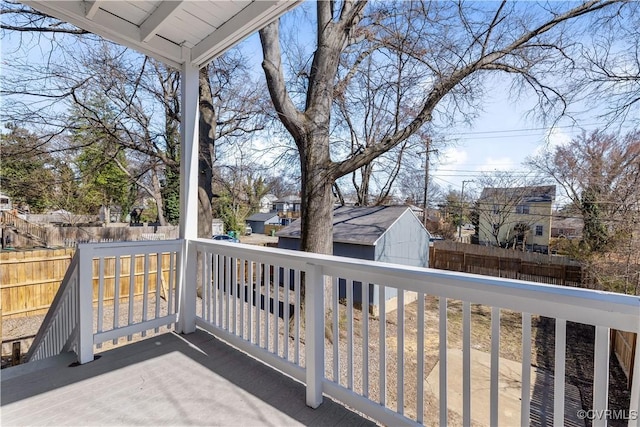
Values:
[(165, 380)]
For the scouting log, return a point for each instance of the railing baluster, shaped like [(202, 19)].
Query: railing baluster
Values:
[(420, 361), (172, 269), (559, 372), (234, 296), (213, 295), (601, 375), (400, 368), (443, 360), (228, 285), (116, 297), (206, 284), (276, 308), (349, 284), (495, 365), (336, 329), (158, 286), (132, 281), (287, 315), (220, 290), (466, 363), (525, 398), (100, 299), (243, 296), (258, 292), (365, 339), (383, 345), (296, 313), (251, 302), (267, 306), (145, 289)]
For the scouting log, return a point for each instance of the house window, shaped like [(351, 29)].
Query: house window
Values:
[(522, 209), (538, 230)]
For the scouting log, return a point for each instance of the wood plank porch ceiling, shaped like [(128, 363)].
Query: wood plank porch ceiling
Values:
[(161, 29)]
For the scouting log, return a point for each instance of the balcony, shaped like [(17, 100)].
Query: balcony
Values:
[(197, 332)]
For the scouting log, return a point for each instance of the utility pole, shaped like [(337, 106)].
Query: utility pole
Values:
[(427, 150), (425, 216), (462, 208)]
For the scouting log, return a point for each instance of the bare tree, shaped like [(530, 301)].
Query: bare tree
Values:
[(137, 87), (456, 44), (609, 67), (600, 175)]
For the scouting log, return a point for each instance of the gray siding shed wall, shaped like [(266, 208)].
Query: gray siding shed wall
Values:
[(406, 242)]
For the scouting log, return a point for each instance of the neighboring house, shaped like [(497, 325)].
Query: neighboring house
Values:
[(5, 203), (258, 221), (288, 206), (378, 233), (566, 228), (217, 226), (266, 203), (518, 217)]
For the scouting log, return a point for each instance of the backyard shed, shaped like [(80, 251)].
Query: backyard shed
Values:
[(259, 220), (390, 234)]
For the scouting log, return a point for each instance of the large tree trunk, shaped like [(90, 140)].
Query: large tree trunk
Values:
[(206, 158), (317, 208), (207, 126), (157, 196)]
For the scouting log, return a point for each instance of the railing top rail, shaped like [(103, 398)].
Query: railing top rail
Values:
[(128, 248), (575, 304)]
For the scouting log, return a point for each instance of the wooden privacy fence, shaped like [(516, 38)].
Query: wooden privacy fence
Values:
[(29, 280), (624, 347), (533, 267), (499, 262)]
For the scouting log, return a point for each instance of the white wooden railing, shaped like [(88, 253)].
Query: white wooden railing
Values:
[(111, 292), (248, 282), (59, 330), (252, 297)]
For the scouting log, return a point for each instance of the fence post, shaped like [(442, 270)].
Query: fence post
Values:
[(85, 304), (314, 332)]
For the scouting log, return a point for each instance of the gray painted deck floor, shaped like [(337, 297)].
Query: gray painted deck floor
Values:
[(166, 380)]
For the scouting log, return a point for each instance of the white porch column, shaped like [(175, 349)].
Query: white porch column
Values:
[(188, 191)]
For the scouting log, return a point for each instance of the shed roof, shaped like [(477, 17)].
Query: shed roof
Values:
[(261, 216), (356, 225)]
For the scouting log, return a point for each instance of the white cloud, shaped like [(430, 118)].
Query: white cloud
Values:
[(555, 138), (452, 157), (491, 164)]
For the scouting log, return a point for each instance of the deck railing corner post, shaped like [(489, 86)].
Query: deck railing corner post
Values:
[(187, 289), (85, 304), (314, 332)]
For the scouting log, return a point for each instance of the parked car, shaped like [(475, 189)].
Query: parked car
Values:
[(248, 230), (225, 238)]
